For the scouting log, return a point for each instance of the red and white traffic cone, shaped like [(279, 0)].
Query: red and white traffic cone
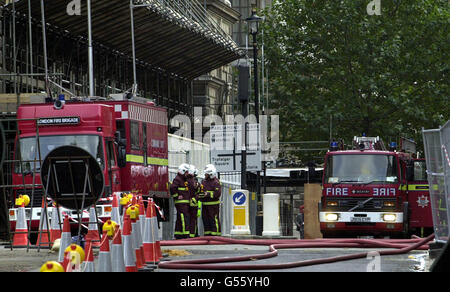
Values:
[(21, 233), (135, 231), (66, 263), (104, 256), (55, 225), (93, 234), (141, 215), (66, 239), (136, 225), (155, 230), (149, 238), (43, 235), (117, 255), (115, 212), (89, 262), (129, 252)]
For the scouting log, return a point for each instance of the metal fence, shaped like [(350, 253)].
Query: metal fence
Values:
[(437, 149)]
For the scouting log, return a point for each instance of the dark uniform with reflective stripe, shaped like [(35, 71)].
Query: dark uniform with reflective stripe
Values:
[(193, 205), (210, 201), (179, 190)]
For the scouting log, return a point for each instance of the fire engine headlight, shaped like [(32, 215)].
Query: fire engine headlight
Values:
[(389, 217), (389, 204), (332, 203), (331, 216)]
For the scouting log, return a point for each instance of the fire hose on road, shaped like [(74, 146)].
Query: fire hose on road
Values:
[(389, 246)]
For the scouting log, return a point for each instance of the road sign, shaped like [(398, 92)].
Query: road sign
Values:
[(240, 213), (239, 198), (227, 145)]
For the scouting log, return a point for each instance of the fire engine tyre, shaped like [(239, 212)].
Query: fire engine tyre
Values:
[(66, 181)]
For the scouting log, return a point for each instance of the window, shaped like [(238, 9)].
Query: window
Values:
[(90, 143), (110, 153), (420, 170), (144, 142), (120, 125), (361, 168), (134, 135)]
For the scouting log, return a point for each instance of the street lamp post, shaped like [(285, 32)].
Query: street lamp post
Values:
[(253, 22), (253, 25)]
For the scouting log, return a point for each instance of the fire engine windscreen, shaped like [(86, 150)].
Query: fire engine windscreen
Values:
[(91, 143), (361, 168), (72, 177)]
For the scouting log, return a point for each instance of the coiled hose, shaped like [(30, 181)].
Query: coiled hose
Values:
[(398, 246)]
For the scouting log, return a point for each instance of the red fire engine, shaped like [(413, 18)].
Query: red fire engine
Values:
[(372, 190), (128, 138)]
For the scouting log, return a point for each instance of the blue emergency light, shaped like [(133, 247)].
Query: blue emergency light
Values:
[(334, 146), (393, 146)]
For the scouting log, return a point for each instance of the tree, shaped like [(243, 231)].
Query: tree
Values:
[(383, 75)]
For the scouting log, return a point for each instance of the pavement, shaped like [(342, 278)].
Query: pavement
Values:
[(21, 260)]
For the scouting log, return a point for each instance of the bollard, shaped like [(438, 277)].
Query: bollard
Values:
[(271, 219)]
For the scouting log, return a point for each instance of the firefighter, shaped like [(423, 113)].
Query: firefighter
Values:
[(194, 187), (210, 201), (179, 190)]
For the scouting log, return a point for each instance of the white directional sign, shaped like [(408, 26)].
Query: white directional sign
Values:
[(227, 145)]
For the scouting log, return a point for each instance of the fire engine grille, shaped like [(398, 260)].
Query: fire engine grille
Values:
[(362, 204)]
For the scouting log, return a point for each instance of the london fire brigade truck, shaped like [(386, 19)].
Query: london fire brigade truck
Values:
[(371, 190), (127, 137)]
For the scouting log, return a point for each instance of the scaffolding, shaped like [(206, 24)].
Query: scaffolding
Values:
[(176, 41), (24, 167)]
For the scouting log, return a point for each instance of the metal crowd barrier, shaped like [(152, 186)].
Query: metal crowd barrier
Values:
[(437, 154)]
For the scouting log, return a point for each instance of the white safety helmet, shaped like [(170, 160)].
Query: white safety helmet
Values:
[(183, 168), (210, 170), (195, 171), (192, 169)]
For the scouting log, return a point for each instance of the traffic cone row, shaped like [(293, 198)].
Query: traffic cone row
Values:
[(130, 250), (133, 246)]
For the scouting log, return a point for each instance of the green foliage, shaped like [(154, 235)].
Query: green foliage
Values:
[(384, 75)]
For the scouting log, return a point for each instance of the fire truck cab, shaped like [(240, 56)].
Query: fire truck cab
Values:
[(372, 190), (128, 138)]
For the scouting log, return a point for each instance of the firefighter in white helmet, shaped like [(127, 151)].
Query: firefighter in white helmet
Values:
[(179, 190), (194, 188), (210, 201)]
